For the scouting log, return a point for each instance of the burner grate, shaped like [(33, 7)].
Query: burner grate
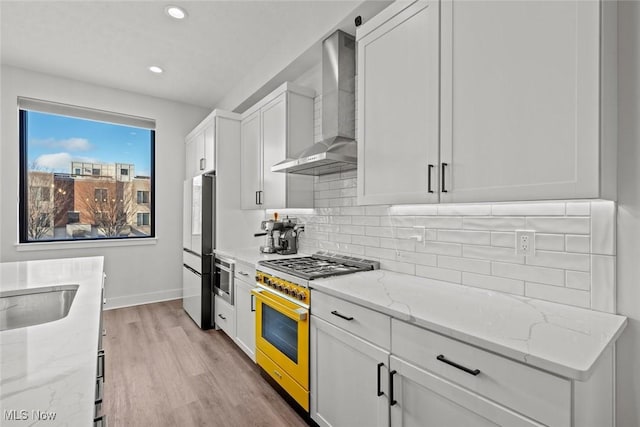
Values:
[(320, 265)]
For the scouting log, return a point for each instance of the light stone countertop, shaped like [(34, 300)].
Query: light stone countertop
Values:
[(52, 367), (560, 339)]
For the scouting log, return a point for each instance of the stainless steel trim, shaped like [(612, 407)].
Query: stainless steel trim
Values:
[(192, 252)]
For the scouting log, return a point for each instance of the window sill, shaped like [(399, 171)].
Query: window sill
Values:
[(80, 244)]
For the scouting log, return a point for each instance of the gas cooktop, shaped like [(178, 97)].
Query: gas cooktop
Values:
[(321, 264)]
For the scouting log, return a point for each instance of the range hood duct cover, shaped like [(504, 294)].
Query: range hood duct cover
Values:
[(337, 151)]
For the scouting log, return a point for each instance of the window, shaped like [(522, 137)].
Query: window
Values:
[(73, 217), (70, 187), (101, 195), (143, 197), (143, 219)]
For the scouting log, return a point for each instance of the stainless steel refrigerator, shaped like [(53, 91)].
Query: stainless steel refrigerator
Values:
[(198, 241)]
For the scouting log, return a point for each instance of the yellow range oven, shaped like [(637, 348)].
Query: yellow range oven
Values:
[(282, 315), (282, 334)]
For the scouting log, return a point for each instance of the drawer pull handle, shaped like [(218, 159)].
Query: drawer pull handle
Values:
[(222, 317), (335, 313), (380, 365), (242, 272), (443, 359), (392, 400)]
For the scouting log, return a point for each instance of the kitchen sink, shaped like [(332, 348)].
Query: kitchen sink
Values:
[(28, 307)]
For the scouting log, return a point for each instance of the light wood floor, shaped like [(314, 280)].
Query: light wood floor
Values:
[(162, 370)]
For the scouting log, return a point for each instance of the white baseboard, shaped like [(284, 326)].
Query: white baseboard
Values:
[(139, 299)]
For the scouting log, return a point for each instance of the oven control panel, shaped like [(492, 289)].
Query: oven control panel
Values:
[(283, 286)]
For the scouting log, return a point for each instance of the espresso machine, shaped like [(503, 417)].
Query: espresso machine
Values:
[(280, 236)]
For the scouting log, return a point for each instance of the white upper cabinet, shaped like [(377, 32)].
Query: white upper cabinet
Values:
[(276, 128), (506, 100), (200, 148), (398, 148)]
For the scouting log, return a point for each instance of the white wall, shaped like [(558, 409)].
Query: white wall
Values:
[(628, 271), (133, 273)]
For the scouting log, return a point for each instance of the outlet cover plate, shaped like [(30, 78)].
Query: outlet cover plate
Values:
[(525, 242)]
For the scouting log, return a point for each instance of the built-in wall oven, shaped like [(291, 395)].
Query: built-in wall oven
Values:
[(224, 270), (282, 315)]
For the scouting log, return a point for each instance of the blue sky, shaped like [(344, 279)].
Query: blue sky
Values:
[(54, 141)]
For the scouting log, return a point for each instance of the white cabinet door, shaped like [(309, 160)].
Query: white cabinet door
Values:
[(421, 399), (250, 161), (209, 148), (398, 106), (245, 318), (520, 99), (274, 150), (349, 379), (189, 163)]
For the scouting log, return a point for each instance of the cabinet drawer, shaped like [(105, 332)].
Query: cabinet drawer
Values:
[(245, 272), (534, 393), (363, 322), (224, 318)]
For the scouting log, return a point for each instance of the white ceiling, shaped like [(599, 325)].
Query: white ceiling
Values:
[(205, 56)]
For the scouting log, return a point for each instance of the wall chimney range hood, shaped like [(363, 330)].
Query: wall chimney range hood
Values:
[(337, 151)]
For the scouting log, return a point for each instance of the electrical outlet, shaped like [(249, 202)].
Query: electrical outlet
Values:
[(525, 242)]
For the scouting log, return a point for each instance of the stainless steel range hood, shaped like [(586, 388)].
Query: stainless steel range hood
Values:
[(338, 150)]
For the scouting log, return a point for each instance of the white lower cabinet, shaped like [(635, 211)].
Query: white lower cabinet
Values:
[(415, 377), (245, 336), (349, 377), (224, 316), (422, 399)]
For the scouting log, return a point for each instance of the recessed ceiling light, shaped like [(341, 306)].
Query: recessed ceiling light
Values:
[(175, 12), (156, 69)]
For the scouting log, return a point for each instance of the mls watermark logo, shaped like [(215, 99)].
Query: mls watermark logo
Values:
[(24, 415)]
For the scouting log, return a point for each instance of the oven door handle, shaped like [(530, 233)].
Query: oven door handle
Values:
[(298, 314)]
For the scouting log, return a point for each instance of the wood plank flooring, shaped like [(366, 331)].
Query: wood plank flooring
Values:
[(162, 370)]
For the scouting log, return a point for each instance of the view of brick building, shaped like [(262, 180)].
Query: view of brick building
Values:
[(94, 200)]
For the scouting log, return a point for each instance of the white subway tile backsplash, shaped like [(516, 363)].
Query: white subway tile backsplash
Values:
[(603, 283), (398, 244), (573, 225), (550, 276), (465, 236), (474, 244), (379, 231), (417, 258), (399, 267), (579, 244), (366, 240), (565, 260), (549, 242), (380, 253), (493, 223), (510, 286), (558, 294), (492, 253), (504, 239), (464, 264), (579, 280), (437, 273), (450, 222), (439, 248), (603, 230), (528, 209), (352, 229), (365, 220)]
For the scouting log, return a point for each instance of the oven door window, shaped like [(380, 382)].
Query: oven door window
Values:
[(281, 332), (224, 281)]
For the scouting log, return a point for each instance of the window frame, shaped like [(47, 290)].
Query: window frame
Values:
[(85, 114)]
